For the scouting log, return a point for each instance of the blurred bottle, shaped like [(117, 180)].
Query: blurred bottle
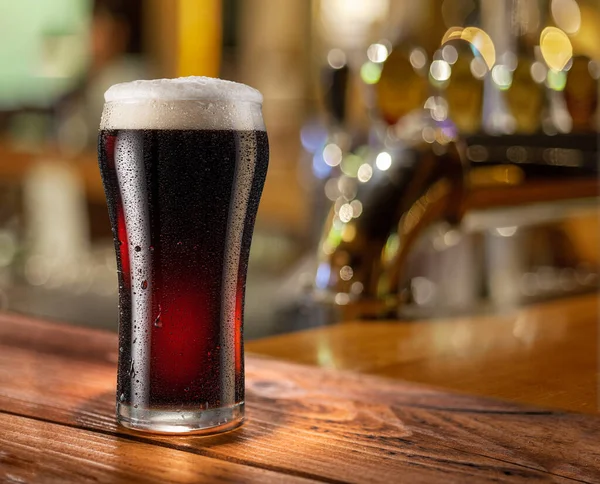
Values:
[(404, 82), (581, 93), (525, 94), (574, 25), (58, 226), (464, 89)]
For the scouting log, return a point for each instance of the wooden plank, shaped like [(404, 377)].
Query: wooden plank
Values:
[(308, 422), (545, 355), (38, 451)]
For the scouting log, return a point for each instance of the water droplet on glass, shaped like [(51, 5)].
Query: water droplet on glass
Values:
[(122, 397), (158, 322), (135, 406), (186, 389), (144, 284), (138, 248)]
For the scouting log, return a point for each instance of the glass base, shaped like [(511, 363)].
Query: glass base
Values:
[(203, 422)]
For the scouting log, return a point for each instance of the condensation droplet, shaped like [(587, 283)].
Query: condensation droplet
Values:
[(138, 248), (122, 397), (144, 284)]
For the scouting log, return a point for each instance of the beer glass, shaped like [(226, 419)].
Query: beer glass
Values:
[(183, 162)]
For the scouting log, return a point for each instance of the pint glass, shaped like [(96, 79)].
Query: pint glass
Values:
[(183, 162)]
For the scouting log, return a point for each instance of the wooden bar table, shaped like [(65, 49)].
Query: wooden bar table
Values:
[(307, 423), (544, 355)]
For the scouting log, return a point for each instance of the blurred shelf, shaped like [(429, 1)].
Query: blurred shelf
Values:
[(16, 163), (283, 205)]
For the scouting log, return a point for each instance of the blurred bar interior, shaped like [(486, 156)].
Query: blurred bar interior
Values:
[(427, 158)]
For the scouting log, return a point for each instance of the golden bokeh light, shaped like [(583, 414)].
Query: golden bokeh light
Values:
[(349, 233), (482, 42), (478, 38), (556, 48), (453, 33)]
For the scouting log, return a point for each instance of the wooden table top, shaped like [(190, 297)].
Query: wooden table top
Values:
[(544, 355), (305, 424)]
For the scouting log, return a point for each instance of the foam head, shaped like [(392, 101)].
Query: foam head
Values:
[(182, 103)]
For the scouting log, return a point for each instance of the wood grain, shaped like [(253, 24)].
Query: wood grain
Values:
[(38, 451), (545, 355), (57, 386)]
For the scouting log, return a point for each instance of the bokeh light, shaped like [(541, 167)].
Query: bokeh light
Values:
[(479, 40), (336, 58), (383, 161), (478, 68), (365, 172), (346, 273), (440, 70), (323, 274), (418, 58), (332, 154), (345, 214), (566, 15), (449, 54), (332, 192), (313, 136), (502, 76), (319, 167), (557, 80), (370, 72), (556, 48), (350, 164), (357, 208), (377, 53), (538, 72)]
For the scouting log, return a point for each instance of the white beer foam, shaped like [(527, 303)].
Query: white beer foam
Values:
[(193, 88), (182, 103)]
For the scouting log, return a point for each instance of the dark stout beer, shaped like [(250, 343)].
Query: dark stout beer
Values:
[(182, 204)]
